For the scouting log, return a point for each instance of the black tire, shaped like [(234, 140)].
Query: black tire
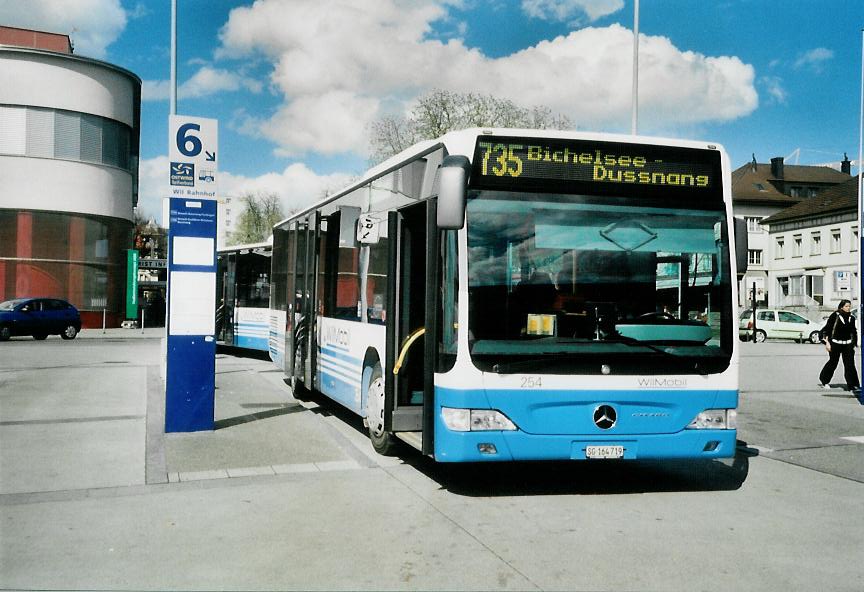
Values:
[(761, 336), (383, 442), (40, 336), (299, 390), (69, 332), (5, 333), (815, 337)]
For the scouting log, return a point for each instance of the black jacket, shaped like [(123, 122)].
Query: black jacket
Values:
[(840, 327)]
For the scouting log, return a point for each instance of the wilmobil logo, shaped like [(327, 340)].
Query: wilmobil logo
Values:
[(668, 382)]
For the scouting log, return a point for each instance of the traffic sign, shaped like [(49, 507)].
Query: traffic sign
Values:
[(193, 145)]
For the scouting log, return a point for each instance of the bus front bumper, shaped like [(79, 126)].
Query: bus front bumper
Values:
[(452, 446)]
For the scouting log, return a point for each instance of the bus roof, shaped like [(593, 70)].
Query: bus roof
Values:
[(463, 142)]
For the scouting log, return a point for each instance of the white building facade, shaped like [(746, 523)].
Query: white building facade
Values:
[(814, 249), (69, 135)]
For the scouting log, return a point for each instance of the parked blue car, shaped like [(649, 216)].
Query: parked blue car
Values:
[(39, 317)]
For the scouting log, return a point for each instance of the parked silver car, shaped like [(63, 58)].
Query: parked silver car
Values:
[(778, 324)]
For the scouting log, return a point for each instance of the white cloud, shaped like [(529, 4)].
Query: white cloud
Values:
[(814, 59), (773, 85), (155, 90), (570, 10), (92, 25), (205, 82), (330, 123), (297, 186), (152, 186), (334, 83)]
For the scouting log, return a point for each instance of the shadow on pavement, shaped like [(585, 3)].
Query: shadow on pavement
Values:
[(242, 352), (234, 421), (568, 477), (587, 477)]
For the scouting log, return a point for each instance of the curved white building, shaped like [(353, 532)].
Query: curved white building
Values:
[(69, 136)]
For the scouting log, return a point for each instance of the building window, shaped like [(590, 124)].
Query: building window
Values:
[(65, 135), (835, 240), (803, 191), (853, 243), (779, 248), (797, 241), (753, 223), (816, 243), (814, 288), (783, 284), (754, 256)]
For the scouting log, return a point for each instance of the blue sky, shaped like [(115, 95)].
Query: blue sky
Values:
[(295, 83)]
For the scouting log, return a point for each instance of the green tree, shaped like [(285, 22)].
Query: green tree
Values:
[(261, 211), (440, 111)]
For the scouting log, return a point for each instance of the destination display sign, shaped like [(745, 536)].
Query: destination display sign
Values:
[(579, 165)]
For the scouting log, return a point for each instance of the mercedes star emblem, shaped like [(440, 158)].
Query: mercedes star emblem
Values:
[(605, 417)]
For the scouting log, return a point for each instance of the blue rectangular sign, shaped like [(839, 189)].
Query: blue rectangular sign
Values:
[(191, 362)]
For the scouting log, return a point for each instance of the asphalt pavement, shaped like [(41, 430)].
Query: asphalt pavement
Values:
[(288, 494), (73, 423)]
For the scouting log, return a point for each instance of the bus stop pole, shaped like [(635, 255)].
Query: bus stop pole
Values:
[(754, 311)]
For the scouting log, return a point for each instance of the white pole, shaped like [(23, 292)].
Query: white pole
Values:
[(634, 100), (173, 101), (860, 184), (103, 320), (142, 319)]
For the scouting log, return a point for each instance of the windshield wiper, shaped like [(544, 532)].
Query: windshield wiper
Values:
[(504, 367), (636, 343)]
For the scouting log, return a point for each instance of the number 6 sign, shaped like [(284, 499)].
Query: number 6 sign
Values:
[(192, 150)]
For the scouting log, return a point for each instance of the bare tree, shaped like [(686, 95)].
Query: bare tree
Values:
[(441, 111), (261, 211)]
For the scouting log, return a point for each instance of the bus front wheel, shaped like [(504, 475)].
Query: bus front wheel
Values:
[(382, 441)]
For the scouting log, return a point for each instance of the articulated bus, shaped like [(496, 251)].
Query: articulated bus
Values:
[(511, 294), (243, 288)]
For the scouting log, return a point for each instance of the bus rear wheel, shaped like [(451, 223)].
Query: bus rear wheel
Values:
[(382, 441)]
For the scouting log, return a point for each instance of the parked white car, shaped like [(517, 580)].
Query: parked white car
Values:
[(778, 324)]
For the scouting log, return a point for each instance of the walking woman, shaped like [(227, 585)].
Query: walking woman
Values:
[(840, 337)]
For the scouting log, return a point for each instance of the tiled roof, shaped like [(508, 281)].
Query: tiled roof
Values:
[(759, 184), (839, 198)]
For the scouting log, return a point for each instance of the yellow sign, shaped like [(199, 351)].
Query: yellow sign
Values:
[(562, 162), (541, 324)]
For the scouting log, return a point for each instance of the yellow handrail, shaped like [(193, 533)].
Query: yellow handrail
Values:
[(405, 346)]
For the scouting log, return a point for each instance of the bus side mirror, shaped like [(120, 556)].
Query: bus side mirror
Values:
[(741, 245), (453, 185)]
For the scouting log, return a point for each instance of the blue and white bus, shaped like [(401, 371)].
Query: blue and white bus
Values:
[(243, 286), (511, 294)]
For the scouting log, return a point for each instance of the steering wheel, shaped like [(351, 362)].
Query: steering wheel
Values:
[(658, 315)]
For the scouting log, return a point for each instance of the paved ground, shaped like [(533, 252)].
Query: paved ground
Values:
[(289, 495), (77, 423)]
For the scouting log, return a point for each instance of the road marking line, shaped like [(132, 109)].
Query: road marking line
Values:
[(856, 439), (760, 448)]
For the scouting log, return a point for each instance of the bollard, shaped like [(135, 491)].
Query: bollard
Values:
[(142, 321), (103, 321)]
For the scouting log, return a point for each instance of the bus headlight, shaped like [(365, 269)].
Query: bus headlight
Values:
[(715, 419), (475, 420)]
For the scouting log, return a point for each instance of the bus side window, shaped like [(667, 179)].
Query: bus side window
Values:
[(347, 284)]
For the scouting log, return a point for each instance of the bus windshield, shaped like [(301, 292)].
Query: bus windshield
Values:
[(580, 284)]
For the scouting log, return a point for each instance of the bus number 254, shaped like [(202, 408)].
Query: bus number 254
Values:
[(531, 382)]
